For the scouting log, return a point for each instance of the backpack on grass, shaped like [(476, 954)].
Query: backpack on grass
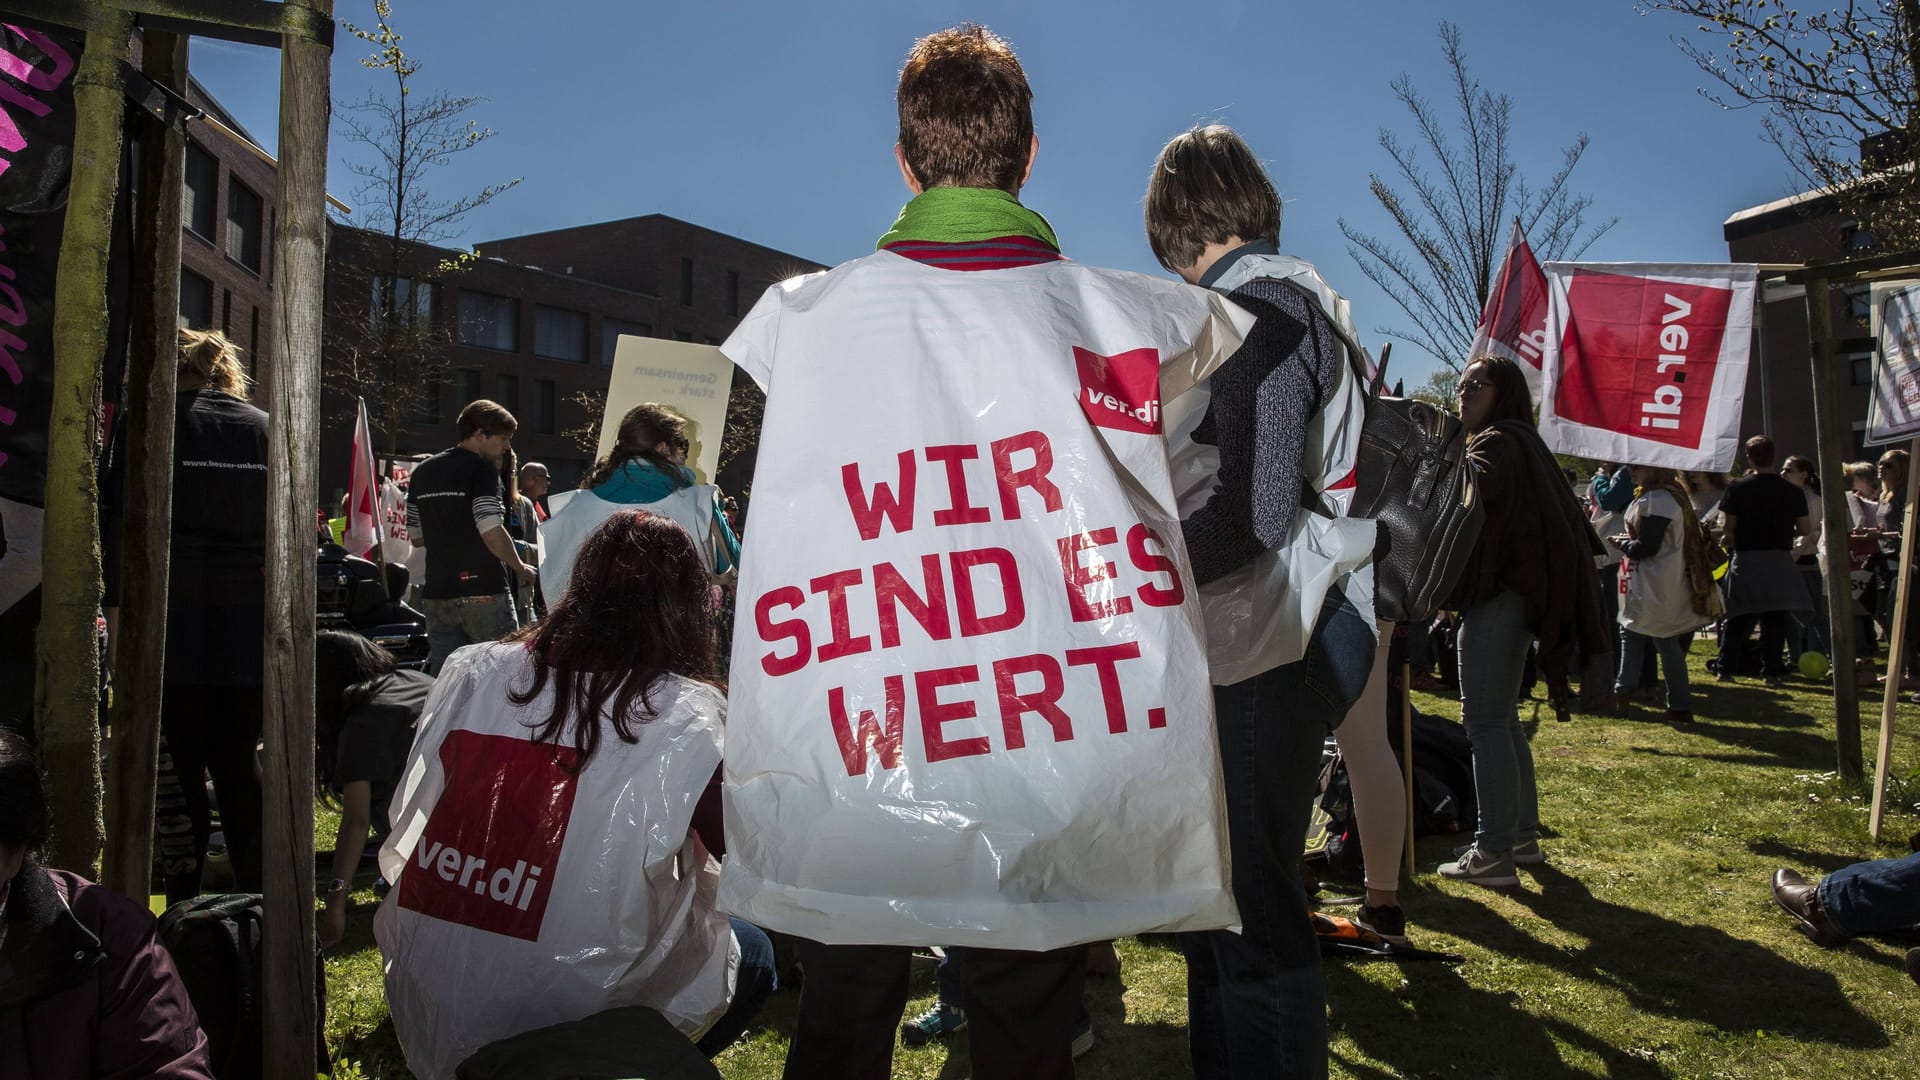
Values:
[(215, 943)]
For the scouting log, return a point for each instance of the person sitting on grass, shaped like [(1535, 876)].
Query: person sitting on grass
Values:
[(544, 856), (1873, 897), (364, 716), (86, 989)]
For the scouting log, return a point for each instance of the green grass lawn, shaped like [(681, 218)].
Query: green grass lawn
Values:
[(1649, 946)]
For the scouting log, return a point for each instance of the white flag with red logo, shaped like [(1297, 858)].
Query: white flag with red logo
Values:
[(1648, 363), (1513, 323), (363, 505)]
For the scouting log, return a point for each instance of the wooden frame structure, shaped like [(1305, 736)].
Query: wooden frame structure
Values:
[(68, 663)]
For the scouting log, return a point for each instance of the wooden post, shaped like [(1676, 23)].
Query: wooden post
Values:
[(293, 385), (1406, 751), (139, 654), (67, 706), (1832, 431), (1890, 697)]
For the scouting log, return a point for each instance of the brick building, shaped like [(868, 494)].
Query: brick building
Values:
[(228, 216), (1804, 228)]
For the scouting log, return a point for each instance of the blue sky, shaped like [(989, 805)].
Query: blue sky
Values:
[(775, 122)]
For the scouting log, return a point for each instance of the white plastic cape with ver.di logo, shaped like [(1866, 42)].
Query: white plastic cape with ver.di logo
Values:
[(969, 684), (526, 894)]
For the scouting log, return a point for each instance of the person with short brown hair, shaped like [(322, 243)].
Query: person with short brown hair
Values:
[(1763, 514), (966, 112), (455, 510)]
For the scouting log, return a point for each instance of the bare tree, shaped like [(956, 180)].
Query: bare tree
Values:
[(1839, 88), (1454, 216), (392, 352), (1439, 389)]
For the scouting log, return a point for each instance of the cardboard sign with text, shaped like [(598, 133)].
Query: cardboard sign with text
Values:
[(1647, 362), (692, 380), (1893, 412)]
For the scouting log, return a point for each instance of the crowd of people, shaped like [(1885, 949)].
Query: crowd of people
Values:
[(571, 718)]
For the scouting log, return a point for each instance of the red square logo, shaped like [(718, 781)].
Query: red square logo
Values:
[(1122, 391), (1639, 354), (488, 854)]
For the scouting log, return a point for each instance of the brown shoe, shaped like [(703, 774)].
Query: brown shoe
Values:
[(1802, 901)]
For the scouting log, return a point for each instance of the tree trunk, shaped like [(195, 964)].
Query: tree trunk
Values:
[(139, 654), (287, 982), (68, 703), (1831, 432)]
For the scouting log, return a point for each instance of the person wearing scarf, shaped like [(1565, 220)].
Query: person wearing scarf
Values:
[(1667, 587), (1530, 579)]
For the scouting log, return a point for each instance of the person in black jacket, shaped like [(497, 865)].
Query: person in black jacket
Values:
[(216, 605)]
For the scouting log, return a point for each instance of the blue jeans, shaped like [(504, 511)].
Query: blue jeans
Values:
[(1872, 897), (1673, 666), (1256, 1005), (1493, 655), (752, 984), (464, 620)]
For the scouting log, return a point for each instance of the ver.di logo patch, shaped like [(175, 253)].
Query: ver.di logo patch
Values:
[(1120, 392)]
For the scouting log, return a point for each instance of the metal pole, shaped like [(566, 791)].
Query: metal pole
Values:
[(1897, 657), (67, 707), (1831, 431), (139, 656), (293, 386)]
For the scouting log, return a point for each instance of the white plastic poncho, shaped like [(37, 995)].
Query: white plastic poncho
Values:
[(969, 683), (525, 895), (575, 514), (1655, 597)]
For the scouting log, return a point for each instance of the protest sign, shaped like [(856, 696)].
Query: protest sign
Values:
[(1893, 411), (969, 690), (692, 380), (1647, 362), (1513, 323)]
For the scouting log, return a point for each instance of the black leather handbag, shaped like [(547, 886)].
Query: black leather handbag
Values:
[(1414, 482)]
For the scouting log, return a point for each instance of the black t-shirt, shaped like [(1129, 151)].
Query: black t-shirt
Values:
[(217, 584), (1763, 507), (449, 491), (376, 736)]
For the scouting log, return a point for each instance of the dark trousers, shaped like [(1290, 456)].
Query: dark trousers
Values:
[(1256, 1005), (214, 730), (1773, 638), (756, 980), (1021, 1008)]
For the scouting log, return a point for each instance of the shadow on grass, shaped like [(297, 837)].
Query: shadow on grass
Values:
[(1670, 967), (1800, 859)]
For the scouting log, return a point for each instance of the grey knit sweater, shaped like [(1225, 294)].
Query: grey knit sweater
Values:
[(1263, 397)]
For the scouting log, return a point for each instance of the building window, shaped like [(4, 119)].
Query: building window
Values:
[(1862, 364), (559, 334), (246, 220), (491, 322), (226, 312), (733, 292), (506, 391), (543, 399), (612, 330), (1860, 303), (466, 386), (413, 300), (683, 335), (196, 301), (203, 180), (686, 282), (426, 407)]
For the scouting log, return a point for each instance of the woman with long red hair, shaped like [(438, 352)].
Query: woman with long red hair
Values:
[(546, 858)]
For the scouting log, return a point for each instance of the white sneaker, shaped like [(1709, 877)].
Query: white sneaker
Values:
[(1481, 868)]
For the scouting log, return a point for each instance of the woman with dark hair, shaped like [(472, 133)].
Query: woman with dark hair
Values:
[(1531, 579), (365, 709), (86, 989), (549, 857), (1809, 551)]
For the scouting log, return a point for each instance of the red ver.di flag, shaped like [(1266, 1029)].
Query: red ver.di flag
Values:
[(1648, 362), (1513, 323), (969, 692)]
